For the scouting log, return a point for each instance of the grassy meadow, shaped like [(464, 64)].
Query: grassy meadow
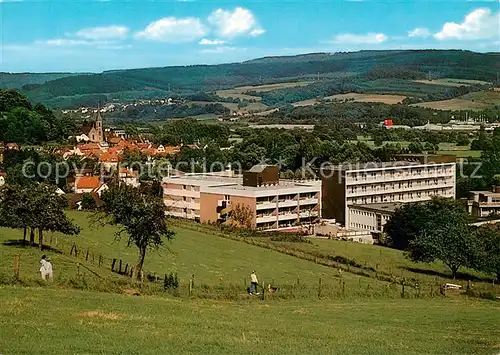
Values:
[(81, 313), (474, 101), (51, 321), (214, 261)]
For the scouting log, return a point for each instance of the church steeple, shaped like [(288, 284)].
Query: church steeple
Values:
[(98, 127)]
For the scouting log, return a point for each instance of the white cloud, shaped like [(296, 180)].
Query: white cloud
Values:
[(419, 32), (257, 32), (211, 42), (238, 22), (174, 30), (481, 23), (369, 38), (106, 32)]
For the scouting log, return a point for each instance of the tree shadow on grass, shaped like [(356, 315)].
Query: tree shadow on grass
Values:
[(460, 275), (20, 243)]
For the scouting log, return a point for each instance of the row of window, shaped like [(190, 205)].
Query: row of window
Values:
[(400, 197), (396, 173), (363, 226), (399, 185)]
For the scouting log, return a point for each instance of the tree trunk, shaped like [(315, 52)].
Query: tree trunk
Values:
[(40, 238), (454, 270), (140, 263), (32, 236), (25, 231)]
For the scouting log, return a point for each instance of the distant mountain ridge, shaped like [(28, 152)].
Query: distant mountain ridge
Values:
[(60, 89)]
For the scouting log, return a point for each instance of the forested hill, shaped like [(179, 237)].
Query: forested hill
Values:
[(363, 65)]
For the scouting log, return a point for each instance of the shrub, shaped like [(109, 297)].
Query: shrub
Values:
[(289, 238), (171, 282)]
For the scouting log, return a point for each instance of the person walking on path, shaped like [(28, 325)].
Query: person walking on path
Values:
[(255, 282)]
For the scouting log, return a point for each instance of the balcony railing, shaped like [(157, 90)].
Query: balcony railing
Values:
[(415, 187), (398, 177), (265, 205)]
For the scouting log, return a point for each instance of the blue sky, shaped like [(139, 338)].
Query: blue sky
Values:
[(65, 35)]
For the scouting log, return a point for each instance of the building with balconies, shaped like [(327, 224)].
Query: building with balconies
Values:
[(351, 185), (273, 204), (484, 203)]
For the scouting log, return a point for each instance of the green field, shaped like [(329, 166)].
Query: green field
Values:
[(452, 82), (48, 321), (474, 101), (213, 260), (387, 261), (461, 153), (304, 317)]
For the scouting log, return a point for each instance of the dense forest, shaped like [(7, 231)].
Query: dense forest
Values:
[(20, 122), (152, 112), (365, 68)]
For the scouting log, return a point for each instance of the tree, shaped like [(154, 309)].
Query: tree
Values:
[(437, 229), (378, 140), (88, 202), (241, 215), (36, 207), (48, 213), (405, 223), (488, 257), (416, 147), (141, 217)]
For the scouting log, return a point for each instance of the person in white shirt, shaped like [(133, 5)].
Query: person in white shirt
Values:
[(46, 269), (255, 282)]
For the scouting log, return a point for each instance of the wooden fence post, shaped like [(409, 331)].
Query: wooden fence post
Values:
[(87, 255), (298, 280), (100, 260), (263, 290), (190, 286), (126, 269), (113, 265), (17, 265), (120, 267)]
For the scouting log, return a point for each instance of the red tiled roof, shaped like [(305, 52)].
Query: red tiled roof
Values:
[(94, 153), (149, 151), (110, 157), (89, 146), (115, 150), (172, 150), (115, 140), (88, 182)]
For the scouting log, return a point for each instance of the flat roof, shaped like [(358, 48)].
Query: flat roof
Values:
[(389, 207), (283, 184), (380, 165), (204, 177)]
